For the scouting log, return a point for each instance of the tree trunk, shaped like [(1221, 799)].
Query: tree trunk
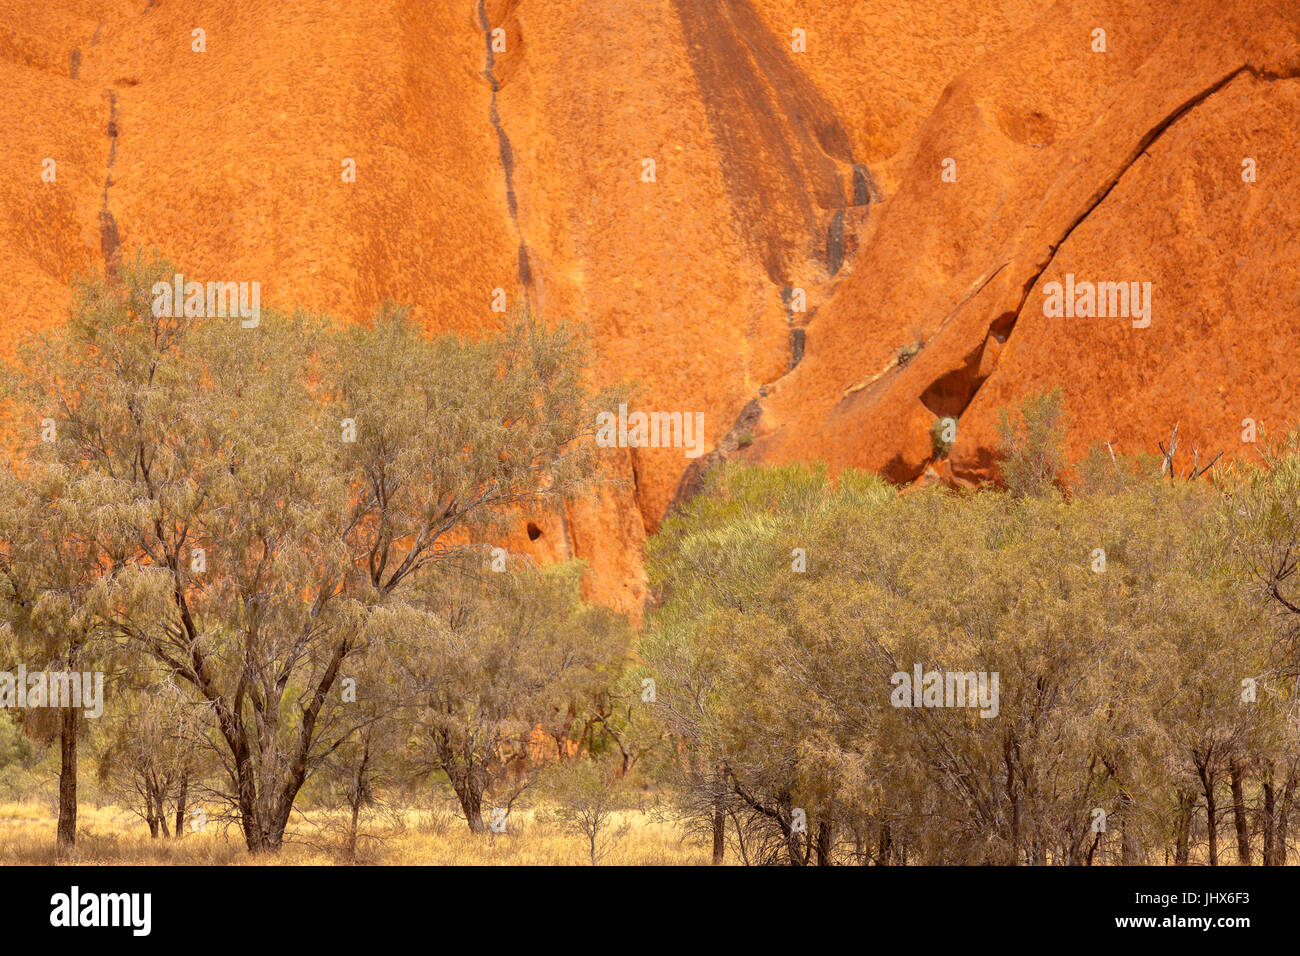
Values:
[(885, 845), (357, 796), (67, 833), (182, 795), (352, 829), (824, 843), (1288, 792), (719, 820), (1239, 812), (471, 802), (255, 836), (156, 797), (1267, 820), (1131, 850), (1183, 831), (1211, 818), (264, 817), (250, 819), (1013, 797)]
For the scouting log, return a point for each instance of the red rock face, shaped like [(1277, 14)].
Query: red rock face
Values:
[(798, 154), (1118, 166)]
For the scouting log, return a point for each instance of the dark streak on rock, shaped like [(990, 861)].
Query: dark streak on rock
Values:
[(835, 242), (779, 139), (864, 187), (109, 239), (507, 153)]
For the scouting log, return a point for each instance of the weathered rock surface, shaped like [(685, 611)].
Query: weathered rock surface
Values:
[(1117, 166), (779, 174)]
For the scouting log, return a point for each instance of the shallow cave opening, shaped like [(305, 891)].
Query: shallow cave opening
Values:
[(534, 532)]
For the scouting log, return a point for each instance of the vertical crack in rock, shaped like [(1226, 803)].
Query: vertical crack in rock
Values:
[(512, 204), (797, 333), (507, 153), (109, 240)]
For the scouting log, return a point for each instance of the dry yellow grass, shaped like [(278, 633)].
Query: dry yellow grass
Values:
[(111, 836)]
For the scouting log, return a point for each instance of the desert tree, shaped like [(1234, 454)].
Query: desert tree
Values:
[(495, 665), (157, 753), (1097, 612), (1260, 520), (1259, 528), (584, 798), (726, 663), (365, 775), (58, 548), (1031, 443), (275, 485)]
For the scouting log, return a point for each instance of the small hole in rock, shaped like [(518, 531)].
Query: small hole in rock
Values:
[(534, 532)]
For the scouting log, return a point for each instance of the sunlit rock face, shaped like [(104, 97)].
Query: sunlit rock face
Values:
[(823, 225)]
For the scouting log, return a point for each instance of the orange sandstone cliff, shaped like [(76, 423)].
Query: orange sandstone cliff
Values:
[(825, 225)]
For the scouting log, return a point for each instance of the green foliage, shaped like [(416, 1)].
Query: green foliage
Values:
[(14, 747), (235, 506), (490, 664), (908, 352), (1032, 443), (939, 436), (583, 797), (1113, 686)]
